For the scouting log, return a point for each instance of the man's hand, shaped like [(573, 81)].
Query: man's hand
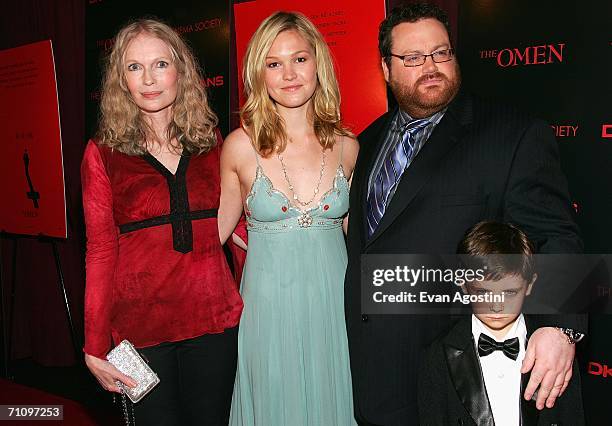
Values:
[(549, 357)]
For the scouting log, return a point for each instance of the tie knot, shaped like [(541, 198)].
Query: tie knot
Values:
[(414, 126)]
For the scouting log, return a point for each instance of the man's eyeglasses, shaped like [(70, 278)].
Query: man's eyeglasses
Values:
[(416, 60)]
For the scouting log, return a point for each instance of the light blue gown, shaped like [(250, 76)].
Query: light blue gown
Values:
[(293, 363)]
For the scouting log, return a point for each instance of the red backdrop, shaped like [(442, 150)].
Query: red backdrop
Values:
[(351, 31)]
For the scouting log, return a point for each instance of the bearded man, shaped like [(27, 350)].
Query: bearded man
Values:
[(427, 171)]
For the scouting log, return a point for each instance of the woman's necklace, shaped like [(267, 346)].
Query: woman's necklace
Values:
[(316, 190)]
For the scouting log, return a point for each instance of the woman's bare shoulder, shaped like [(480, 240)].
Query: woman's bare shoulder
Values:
[(237, 144), (237, 139), (351, 145), (350, 148)]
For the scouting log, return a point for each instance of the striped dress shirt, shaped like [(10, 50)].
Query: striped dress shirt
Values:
[(395, 136)]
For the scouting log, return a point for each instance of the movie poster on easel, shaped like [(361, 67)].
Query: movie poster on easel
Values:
[(31, 165)]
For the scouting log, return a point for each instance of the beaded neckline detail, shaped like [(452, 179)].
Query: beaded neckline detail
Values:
[(271, 189)]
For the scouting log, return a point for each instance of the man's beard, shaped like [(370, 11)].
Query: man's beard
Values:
[(419, 105)]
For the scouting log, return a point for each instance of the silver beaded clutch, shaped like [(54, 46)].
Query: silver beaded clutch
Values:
[(125, 359)]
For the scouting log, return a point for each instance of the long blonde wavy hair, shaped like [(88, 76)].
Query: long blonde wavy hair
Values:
[(122, 125), (259, 116)]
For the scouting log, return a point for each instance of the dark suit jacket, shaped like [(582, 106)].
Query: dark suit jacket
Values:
[(452, 389), (482, 161)]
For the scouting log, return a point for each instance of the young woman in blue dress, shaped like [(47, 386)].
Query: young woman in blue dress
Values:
[(288, 168)]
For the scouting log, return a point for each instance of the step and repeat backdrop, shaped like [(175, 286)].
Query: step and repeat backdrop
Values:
[(554, 59), (550, 58), (204, 25)]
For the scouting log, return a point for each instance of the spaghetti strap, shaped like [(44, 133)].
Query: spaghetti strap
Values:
[(256, 156), (341, 152)]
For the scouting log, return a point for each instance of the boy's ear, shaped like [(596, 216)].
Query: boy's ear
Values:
[(530, 285)]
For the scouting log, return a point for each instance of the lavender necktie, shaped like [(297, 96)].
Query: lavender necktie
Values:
[(391, 172)]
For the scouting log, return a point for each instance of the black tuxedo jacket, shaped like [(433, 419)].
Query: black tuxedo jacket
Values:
[(452, 389), (483, 161)]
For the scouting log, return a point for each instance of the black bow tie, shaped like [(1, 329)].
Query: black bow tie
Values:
[(487, 345)]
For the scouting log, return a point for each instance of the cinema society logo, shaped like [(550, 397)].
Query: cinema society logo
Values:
[(565, 130), (107, 44), (530, 55)]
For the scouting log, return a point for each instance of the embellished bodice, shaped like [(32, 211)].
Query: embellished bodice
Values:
[(270, 210)]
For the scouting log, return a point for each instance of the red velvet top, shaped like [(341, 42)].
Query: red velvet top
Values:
[(156, 271)]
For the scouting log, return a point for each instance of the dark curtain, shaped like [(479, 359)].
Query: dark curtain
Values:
[(40, 326)]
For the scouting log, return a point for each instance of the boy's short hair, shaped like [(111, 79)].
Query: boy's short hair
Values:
[(501, 249)]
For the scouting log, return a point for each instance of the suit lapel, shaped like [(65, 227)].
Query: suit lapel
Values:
[(370, 146), (466, 374), (444, 137)]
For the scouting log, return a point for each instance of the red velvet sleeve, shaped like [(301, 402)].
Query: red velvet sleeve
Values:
[(101, 256)]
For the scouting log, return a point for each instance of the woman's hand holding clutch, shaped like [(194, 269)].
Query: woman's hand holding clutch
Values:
[(106, 374)]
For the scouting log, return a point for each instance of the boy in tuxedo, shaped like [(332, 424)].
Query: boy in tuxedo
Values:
[(471, 376)]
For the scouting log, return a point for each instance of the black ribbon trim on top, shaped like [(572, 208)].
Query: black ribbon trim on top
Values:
[(166, 219), (180, 217)]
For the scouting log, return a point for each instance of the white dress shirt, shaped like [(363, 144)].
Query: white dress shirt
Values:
[(502, 375)]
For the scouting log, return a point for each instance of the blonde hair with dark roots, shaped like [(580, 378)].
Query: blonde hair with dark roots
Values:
[(259, 116), (122, 126)]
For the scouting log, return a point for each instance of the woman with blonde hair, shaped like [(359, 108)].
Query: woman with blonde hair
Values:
[(288, 167), (156, 271)]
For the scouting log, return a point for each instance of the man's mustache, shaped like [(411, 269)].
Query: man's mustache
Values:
[(435, 75)]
